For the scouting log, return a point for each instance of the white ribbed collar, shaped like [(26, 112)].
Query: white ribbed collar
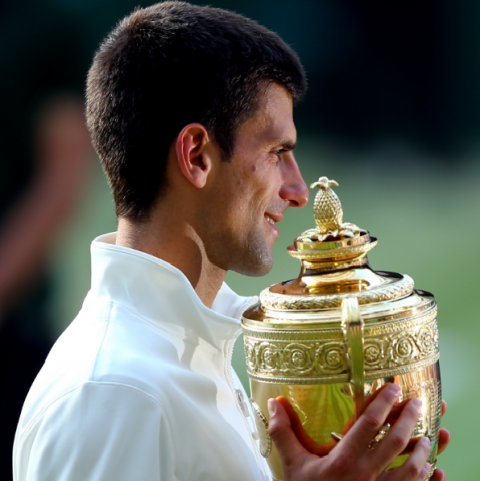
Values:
[(158, 292)]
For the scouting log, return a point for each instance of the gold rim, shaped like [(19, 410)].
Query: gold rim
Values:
[(395, 290), (339, 253), (324, 245)]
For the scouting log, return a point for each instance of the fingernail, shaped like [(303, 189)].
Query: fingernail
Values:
[(394, 390), (417, 404), (426, 441), (428, 466), (272, 407)]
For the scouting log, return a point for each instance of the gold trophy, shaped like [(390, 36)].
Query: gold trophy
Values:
[(339, 332)]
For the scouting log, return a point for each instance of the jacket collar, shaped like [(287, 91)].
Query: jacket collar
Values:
[(159, 293)]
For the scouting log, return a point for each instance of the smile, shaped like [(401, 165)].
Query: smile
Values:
[(272, 220)]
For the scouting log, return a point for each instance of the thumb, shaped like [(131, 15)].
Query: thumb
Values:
[(282, 434)]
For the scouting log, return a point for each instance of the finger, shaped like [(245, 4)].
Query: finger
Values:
[(368, 401), (305, 440), (396, 412), (399, 436), (410, 445), (374, 395), (415, 467), (423, 476), (371, 421), (439, 475), (285, 440), (443, 440)]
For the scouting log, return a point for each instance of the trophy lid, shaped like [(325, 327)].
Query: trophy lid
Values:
[(335, 266), (333, 244)]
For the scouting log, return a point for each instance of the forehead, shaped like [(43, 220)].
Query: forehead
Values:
[(273, 120)]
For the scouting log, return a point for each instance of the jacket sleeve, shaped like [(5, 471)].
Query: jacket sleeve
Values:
[(98, 432)]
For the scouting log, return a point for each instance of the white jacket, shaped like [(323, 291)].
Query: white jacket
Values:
[(140, 386)]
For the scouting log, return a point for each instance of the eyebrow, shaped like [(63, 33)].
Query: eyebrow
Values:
[(286, 144)]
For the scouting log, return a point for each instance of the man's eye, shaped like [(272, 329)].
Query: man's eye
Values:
[(279, 151)]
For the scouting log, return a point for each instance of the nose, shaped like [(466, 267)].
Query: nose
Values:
[(294, 188)]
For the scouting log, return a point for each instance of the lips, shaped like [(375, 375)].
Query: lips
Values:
[(273, 218)]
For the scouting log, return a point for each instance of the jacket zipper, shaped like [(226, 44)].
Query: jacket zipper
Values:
[(240, 401)]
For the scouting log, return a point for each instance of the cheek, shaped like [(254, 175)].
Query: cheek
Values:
[(232, 208), (245, 213)]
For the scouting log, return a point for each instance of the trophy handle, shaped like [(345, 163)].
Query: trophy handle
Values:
[(352, 327)]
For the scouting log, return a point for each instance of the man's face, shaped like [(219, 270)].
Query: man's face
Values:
[(251, 192)]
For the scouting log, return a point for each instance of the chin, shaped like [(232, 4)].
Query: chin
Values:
[(255, 266)]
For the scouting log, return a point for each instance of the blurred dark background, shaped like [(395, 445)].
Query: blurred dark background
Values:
[(390, 70), (392, 113)]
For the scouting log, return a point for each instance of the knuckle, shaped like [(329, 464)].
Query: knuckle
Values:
[(344, 463), (275, 430), (413, 411), (424, 474), (372, 422), (413, 471), (397, 441)]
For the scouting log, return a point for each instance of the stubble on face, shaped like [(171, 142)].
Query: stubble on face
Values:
[(240, 245), (247, 188)]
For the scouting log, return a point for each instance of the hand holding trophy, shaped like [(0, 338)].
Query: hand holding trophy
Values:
[(343, 348)]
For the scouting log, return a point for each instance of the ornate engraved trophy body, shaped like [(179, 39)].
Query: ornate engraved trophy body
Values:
[(336, 334)]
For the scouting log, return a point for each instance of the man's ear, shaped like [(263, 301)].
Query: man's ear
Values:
[(192, 147)]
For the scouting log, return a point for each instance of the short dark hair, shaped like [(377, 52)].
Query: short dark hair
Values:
[(169, 65)]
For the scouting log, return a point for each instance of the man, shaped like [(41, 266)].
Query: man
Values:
[(190, 110)]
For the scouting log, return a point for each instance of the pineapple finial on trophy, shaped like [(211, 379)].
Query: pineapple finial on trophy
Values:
[(327, 207), (328, 214)]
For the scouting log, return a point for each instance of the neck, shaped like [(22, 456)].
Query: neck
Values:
[(178, 243)]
